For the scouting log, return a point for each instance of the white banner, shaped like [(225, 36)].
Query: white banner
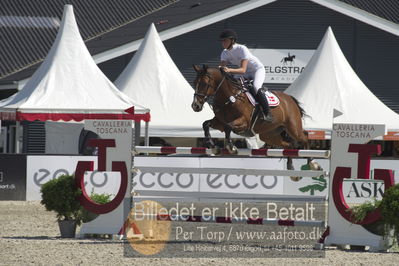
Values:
[(354, 190), (308, 186), (209, 183), (41, 169), (248, 184), (283, 65)]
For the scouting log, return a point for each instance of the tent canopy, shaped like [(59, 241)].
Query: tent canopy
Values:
[(329, 82), (152, 78), (69, 86)]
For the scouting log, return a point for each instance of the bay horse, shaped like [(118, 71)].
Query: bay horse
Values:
[(234, 113)]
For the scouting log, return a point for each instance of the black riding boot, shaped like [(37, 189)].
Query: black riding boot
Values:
[(262, 100)]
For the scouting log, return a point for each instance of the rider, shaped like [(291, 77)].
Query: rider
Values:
[(248, 65)]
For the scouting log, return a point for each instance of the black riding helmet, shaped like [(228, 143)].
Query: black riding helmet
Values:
[(228, 34)]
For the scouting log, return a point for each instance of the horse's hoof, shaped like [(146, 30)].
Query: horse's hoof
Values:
[(210, 145), (216, 150), (296, 178), (232, 149), (314, 165)]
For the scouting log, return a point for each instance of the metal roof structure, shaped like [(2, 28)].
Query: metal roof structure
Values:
[(114, 28), (28, 28), (386, 9)]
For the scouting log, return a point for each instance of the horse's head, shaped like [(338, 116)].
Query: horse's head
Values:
[(205, 84)]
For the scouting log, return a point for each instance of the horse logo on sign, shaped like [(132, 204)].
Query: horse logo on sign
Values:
[(289, 58)]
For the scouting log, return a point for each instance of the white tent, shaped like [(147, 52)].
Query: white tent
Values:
[(329, 82), (152, 78), (69, 86)]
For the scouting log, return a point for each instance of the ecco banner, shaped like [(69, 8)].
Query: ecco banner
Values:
[(209, 183), (41, 169), (355, 191)]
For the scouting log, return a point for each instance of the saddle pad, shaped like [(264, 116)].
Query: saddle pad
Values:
[(272, 99)]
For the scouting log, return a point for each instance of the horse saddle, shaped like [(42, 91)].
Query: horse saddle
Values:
[(257, 112), (272, 99)]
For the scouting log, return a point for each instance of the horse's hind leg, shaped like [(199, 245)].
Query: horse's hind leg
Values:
[(275, 140), (298, 136), (302, 139), (311, 162), (278, 140), (299, 139)]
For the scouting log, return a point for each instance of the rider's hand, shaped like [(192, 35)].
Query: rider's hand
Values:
[(225, 69)]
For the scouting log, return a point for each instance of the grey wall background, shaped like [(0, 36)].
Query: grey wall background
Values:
[(291, 24), (12, 176)]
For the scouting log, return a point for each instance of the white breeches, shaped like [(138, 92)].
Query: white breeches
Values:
[(258, 78)]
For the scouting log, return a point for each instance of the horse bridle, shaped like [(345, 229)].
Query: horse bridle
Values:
[(208, 98)]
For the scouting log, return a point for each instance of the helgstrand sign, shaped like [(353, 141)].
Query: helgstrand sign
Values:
[(283, 65)]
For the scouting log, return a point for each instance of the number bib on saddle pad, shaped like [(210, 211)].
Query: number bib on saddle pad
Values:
[(272, 99)]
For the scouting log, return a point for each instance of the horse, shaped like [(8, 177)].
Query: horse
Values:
[(234, 113)]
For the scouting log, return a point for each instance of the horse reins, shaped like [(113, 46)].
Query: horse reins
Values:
[(209, 98)]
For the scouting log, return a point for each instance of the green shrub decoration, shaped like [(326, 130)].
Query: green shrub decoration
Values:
[(389, 206), (390, 209), (88, 216), (100, 198), (359, 212), (61, 195)]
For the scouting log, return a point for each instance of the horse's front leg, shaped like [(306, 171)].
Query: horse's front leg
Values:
[(212, 123), (229, 143)]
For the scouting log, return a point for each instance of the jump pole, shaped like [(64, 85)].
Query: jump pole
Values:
[(240, 152)]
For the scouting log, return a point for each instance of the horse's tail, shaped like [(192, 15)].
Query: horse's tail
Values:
[(301, 110)]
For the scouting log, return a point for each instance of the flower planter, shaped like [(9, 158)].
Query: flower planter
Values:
[(67, 228)]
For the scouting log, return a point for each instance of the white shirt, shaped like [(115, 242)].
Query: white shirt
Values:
[(239, 52)]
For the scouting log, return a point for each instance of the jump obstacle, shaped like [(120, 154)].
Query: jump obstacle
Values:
[(345, 153), (236, 171), (246, 152)]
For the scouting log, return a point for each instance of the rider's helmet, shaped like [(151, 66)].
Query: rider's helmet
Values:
[(228, 34)]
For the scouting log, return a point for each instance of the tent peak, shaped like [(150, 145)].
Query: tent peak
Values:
[(69, 85), (329, 84)]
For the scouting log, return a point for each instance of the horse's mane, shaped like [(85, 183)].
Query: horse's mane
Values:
[(231, 78)]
